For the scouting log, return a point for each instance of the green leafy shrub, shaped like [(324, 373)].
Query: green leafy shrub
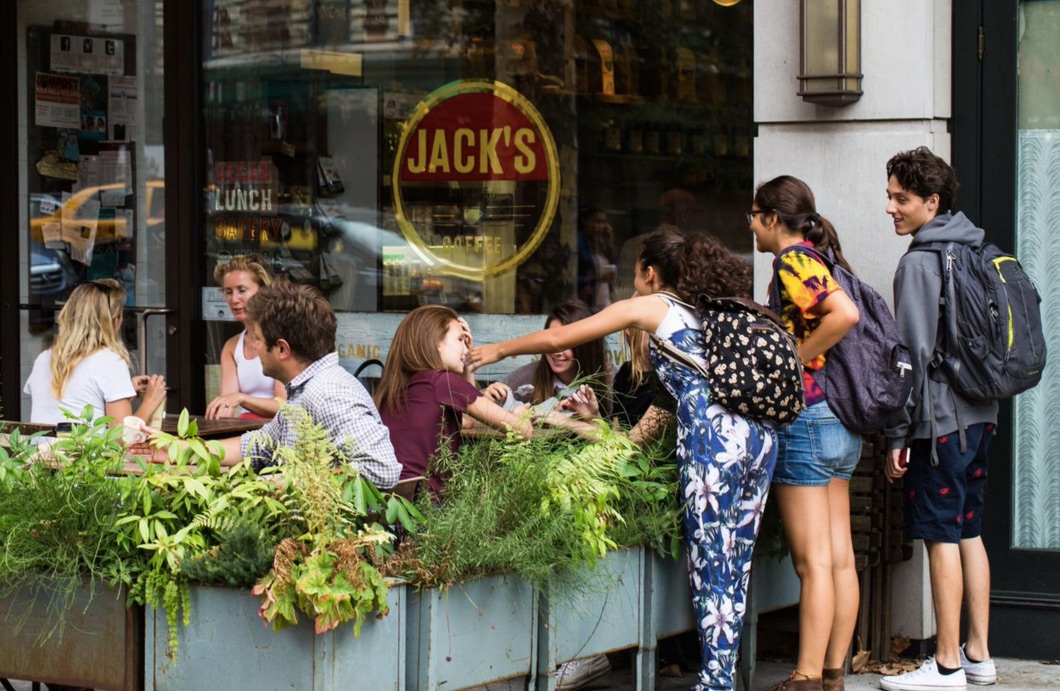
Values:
[(544, 508)]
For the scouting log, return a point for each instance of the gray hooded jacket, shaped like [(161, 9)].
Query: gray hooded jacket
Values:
[(917, 288)]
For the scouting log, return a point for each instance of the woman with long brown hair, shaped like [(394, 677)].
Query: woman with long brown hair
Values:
[(426, 387)]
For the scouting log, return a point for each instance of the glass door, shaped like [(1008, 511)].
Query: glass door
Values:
[(91, 202), (1036, 479), (1006, 149)]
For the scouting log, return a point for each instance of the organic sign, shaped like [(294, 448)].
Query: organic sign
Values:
[(476, 179)]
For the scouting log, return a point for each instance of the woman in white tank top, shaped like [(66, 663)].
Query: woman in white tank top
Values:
[(244, 387)]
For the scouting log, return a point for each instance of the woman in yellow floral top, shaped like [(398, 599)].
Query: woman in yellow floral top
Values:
[(816, 454)]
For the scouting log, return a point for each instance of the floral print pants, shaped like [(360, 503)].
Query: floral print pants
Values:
[(726, 463)]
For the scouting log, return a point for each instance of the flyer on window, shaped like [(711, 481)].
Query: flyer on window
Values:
[(57, 101)]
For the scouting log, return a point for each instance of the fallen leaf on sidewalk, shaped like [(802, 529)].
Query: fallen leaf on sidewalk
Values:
[(899, 644), (861, 658)]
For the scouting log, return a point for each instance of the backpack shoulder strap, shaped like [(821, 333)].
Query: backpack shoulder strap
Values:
[(673, 298)]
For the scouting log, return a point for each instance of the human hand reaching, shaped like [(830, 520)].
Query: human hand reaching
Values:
[(582, 402)]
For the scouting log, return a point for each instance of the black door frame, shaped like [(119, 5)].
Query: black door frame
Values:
[(1025, 592), (182, 132)]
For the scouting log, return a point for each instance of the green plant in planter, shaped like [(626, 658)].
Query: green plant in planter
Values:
[(541, 508), (329, 570), (58, 516), (179, 513), (650, 499)]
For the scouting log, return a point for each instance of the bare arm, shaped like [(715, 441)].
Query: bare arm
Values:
[(838, 314), (226, 403), (119, 410), (489, 413), (644, 312)]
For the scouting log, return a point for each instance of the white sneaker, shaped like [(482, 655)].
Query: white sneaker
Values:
[(577, 673), (927, 678), (980, 673)]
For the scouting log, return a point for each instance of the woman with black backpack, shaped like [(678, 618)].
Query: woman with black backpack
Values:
[(725, 458), (817, 454)]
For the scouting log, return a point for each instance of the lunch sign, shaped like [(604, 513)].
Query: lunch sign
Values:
[(475, 179)]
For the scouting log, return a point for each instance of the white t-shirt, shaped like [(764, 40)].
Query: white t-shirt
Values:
[(101, 378)]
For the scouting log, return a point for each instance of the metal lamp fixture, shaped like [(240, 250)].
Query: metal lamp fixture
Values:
[(830, 68)]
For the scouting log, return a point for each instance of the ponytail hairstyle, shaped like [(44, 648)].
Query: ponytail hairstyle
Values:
[(694, 265), (792, 201), (413, 349), (86, 325), (590, 358)]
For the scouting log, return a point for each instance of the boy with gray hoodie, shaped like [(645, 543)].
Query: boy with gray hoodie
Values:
[(945, 479)]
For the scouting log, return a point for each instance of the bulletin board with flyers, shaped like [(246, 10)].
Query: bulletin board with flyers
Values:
[(83, 123)]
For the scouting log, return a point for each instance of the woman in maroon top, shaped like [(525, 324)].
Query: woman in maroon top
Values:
[(426, 388)]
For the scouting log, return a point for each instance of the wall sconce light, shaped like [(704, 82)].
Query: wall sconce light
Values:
[(726, 3), (830, 68)]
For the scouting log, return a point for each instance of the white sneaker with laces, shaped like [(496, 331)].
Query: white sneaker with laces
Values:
[(577, 673), (979, 673), (927, 678)]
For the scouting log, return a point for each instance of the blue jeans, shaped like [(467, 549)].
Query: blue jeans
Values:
[(815, 449)]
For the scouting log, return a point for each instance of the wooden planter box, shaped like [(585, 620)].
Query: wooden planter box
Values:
[(470, 634), (227, 645), (100, 646)]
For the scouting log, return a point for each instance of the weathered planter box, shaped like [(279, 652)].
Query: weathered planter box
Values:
[(227, 645), (471, 634), (607, 614), (100, 646), (671, 595)]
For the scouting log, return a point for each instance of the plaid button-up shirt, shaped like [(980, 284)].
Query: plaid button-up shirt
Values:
[(334, 399)]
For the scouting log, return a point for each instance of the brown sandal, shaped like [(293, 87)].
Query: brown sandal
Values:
[(798, 681)]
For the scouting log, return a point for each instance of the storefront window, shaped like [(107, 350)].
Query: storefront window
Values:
[(91, 189), (492, 156)]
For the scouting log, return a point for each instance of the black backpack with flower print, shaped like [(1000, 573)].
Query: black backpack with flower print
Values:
[(752, 362)]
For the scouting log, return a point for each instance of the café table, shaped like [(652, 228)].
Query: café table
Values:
[(218, 428)]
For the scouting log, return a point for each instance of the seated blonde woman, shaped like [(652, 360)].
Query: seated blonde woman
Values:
[(89, 365), (245, 390)]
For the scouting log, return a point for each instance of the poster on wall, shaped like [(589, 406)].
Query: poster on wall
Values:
[(57, 101)]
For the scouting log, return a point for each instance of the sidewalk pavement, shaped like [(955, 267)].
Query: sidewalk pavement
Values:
[(1013, 675)]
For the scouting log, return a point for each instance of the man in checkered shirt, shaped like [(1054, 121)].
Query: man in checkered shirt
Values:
[(295, 329)]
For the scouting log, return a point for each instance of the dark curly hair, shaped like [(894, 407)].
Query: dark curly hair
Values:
[(694, 265), (923, 173)]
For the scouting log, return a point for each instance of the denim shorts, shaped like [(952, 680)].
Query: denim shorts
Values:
[(944, 502), (816, 449)]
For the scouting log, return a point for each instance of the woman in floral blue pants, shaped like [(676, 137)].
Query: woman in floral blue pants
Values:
[(726, 460)]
